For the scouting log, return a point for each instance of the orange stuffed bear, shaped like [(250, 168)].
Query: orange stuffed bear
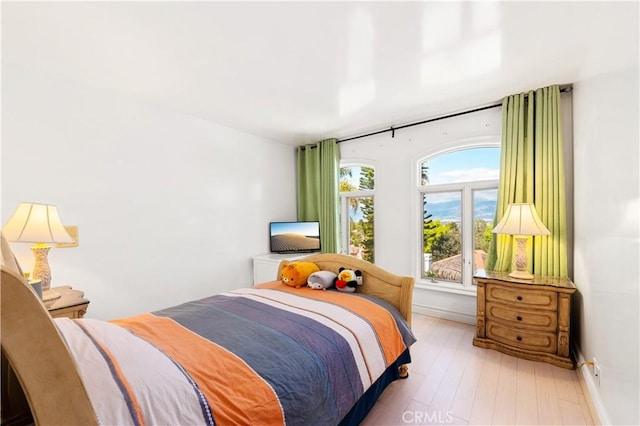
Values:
[(295, 274)]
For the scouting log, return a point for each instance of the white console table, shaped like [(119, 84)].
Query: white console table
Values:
[(265, 266)]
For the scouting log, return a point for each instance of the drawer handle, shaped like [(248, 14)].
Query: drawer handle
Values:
[(519, 298), (519, 338), (519, 318)]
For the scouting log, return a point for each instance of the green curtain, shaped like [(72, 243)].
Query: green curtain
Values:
[(318, 197), (532, 171)]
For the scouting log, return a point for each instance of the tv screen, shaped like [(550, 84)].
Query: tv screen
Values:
[(291, 237)]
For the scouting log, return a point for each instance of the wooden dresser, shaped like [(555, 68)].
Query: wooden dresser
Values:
[(525, 318)]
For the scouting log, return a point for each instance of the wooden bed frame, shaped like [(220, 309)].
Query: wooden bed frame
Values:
[(378, 282), (45, 370)]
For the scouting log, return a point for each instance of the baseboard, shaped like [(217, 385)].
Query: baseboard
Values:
[(441, 313), (590, 388)]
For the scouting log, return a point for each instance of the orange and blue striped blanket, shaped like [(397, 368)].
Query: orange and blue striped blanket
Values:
[(265, 355)]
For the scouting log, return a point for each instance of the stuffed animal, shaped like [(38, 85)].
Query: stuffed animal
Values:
[(348, 279), (295, 274), (321, 280)]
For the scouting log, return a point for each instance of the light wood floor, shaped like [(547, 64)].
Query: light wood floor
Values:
[(453, 382)]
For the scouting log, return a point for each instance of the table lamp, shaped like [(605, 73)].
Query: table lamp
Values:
[(39, 224), (521, 220)]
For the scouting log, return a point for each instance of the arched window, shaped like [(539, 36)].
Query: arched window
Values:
[(357, 210), (458, 192)]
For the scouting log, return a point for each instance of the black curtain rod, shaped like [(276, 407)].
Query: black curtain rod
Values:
[(392, 129)]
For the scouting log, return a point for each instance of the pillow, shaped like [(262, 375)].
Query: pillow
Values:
[(348, 280), (321, 280), (295, 274)]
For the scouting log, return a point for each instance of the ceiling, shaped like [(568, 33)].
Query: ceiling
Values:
[(297, 72)]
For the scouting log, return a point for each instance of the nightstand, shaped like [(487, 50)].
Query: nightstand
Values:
[(70, 304), (525, 318)]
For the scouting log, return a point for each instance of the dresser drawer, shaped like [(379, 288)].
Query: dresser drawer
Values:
[(538, 299), (532, 319), (530, 340)]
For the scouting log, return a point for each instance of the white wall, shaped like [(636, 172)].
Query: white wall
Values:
[(398, 205), (607, 236), (169, 207)]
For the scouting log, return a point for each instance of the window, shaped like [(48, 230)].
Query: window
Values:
[(356, 213), (458, 192)]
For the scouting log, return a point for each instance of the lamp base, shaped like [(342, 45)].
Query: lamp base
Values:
[(521, 275), (521, 272), (49, 295), (41, 270)]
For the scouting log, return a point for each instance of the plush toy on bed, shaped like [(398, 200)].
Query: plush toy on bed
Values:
[(348, 279), (295, 274), (321, 280)]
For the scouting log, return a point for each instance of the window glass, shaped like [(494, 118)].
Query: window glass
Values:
[(356, 178), (484, 208), (467, 165), (442, 237), (360, 239)]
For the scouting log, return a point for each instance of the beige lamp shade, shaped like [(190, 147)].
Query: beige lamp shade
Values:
[(521, 219), (39, 224), (36, 223)]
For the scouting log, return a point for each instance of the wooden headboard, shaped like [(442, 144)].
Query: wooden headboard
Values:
[(395, 289)]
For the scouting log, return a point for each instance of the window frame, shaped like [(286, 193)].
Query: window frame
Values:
[(466, 286), (344, 205)]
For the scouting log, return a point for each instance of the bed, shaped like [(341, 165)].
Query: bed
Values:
[(268, 354)]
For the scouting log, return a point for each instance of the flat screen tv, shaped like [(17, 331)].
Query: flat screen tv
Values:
[(294, 237)]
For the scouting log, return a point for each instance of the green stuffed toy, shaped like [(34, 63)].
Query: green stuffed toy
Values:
[(295, 274), (348, 279)]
